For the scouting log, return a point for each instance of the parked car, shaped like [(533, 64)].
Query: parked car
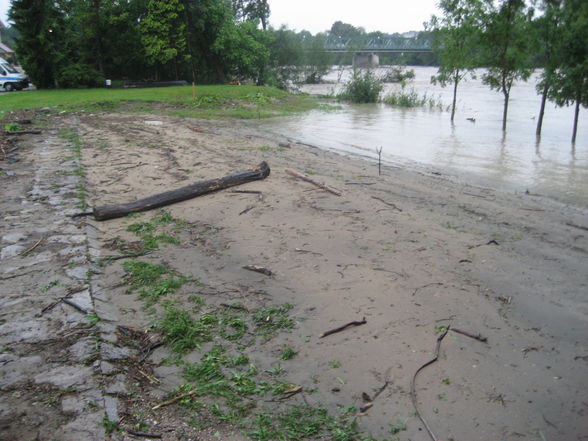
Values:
[(10, 78)]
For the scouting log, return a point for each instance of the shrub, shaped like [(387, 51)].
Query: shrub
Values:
[(80, 75), (364, 87), (410, 98)]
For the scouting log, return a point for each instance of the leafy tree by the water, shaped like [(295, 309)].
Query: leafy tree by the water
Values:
[(547, 30), (570, 85), (457, 39), (507, 42)]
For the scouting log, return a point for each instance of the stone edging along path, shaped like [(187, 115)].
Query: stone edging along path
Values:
[(55, 378)]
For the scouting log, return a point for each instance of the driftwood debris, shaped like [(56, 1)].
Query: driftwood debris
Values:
[(307, 178), (413, 382), (477, 336), (259, 269), (343, 327), (106, 212)]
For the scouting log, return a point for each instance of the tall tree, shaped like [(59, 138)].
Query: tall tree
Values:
[(571, 78), (547, 31), (163, 32), (41, 46), (252, 10), (507, 48), (456, 40)]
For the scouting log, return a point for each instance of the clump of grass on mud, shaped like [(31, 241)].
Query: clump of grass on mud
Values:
[(73, 138), (152, 280)]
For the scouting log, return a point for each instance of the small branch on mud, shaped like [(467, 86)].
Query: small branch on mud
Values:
[(143, 435), (247, 210), (23, 132), (151, 378), (580, 227), (343, 327), (173, 400), (237, 307), (259, 269), (490, 242), (390, 204), (427, 285), (197, 129), (19, 275), (125, 256), (370, 400), (307, 178), (379, 152), (39, 242), (477, 336), (85, 213), (413, 383)]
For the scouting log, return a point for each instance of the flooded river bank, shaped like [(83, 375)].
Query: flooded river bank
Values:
[(478, 152)]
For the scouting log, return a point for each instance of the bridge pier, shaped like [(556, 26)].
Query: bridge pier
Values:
[(366, 60)]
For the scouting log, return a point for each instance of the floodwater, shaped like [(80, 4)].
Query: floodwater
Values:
[(478, 152)]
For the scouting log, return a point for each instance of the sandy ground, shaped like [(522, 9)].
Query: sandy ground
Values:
[(409, 251)]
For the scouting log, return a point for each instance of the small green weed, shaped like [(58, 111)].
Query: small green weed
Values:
[(273, 319), (12, 127), (335, 364), (287, 354), (397, 427), (109, 426)]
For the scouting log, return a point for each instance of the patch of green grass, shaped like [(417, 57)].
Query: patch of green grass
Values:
[(182, 331), (214, 101), (410, 98), (109, 426), (12, 127), (149, 232), (269, 321), (335, 364), (397, 427), (149, 279), (287, 354)]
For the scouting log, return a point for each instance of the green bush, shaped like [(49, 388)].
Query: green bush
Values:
[(410, 98), (80, 75), (364, 87)]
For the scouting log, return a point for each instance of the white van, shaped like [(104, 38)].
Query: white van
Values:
[(10, 78)]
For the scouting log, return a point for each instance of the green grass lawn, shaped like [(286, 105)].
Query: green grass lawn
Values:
[(217, 101)]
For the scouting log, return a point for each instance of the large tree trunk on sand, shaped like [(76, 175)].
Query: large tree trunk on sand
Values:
[(106, 212)]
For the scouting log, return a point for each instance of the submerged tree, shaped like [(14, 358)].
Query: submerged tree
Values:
[(570, 85), (548, 29), (456, 39), (507, 45)]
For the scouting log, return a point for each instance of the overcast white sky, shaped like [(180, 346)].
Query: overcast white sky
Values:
[(373, 15), (318, 15)]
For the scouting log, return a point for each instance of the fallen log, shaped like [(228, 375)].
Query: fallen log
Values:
[(106, 212), (307, 178)]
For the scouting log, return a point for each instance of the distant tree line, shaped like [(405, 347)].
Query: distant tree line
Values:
[(73, 43), (511, 38)]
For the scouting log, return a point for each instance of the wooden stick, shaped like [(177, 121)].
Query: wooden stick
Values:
[(144, 435), (173, 400), (25, 252), (259, 269), (181, 194), (314, 182), (478, 336), (390, 204), (413, 383), (343, 327)]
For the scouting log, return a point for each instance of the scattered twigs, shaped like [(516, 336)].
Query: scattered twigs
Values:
[(425, 286), (14, 276), (151, 378), (477, 336), (343, 327), (143, 435), (490, 242), (37, 243), (173, 400), (291, 392), (307, 178), (369, 401), (413, 383), (389, 204), (125, 256), (259, 269)]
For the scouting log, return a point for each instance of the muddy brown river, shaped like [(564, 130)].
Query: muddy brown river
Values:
[(477, 152)]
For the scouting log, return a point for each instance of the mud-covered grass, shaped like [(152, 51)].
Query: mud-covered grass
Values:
[(208, 102)]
